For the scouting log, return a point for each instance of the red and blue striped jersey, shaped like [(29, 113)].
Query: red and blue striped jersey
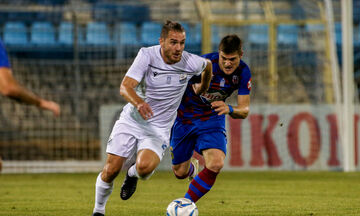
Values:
[(194, 107)]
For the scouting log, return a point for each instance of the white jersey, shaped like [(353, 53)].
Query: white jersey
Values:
[(163, 86)]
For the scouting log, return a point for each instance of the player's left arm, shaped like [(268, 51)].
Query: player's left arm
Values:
[(240, 111)]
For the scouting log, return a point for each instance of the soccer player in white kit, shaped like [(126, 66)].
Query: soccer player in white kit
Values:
[(145, 123)]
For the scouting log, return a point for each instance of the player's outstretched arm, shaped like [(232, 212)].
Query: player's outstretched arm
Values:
[(11, 88), (240, 111), (206, 75), (127, 90)]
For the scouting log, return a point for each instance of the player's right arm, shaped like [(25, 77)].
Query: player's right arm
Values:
[(127, 90), (11, 88), (132, 79)]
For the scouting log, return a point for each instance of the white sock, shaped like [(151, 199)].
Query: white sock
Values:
[(132, 172), (102, 193)]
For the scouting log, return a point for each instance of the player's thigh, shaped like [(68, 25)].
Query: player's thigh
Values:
[(215, 139), (150, 152), (182, 143), (122, 141)]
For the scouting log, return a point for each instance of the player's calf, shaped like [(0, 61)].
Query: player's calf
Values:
[(187, 169)]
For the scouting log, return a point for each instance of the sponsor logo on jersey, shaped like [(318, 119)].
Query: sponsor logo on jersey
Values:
[(183, 78), (214, 95), (168, 80), (249, 85)]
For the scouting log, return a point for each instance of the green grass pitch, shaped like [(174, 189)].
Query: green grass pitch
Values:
[(234, 193)]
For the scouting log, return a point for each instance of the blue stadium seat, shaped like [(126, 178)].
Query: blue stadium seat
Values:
[(193, 37), (126, 33), (150, 33), (42, 33), (356, 36), (111, 12), (196, 34), (15, 33), (258, 34), (215, 34), (126, 38), (338, 34), (287, 35), (66, 33), (97, 33)]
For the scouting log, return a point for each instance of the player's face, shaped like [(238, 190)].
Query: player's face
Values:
[(172, 46), (229, 62)]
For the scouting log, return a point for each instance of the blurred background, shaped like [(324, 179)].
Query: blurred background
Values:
[(76, 52)]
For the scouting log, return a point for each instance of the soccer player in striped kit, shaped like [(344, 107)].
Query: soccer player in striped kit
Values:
[(145, 123), (200, 123)]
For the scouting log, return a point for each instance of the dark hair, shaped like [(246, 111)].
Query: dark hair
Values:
[(230, 44), (170, 26)]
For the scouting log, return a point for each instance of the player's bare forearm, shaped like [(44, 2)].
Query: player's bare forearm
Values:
[(240, 111), (12, 89), (127, 90), (205, 79)]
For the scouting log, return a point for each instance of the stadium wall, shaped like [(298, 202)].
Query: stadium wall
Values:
[(273, 137)]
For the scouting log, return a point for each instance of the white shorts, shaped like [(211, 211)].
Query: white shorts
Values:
[(128, 138)]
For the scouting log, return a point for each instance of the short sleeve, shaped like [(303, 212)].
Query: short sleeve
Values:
[(196, 63), (139, 66), (245, 82), (4, 60)]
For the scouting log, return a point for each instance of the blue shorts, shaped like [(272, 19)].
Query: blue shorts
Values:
[(198, 136)]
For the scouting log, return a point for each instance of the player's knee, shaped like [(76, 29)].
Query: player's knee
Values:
[(216, 165), (144, 168)]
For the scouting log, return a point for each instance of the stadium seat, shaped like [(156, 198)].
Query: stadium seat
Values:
[(287, 35), (126, 39), (193, 37), (15, 33), (112, 12), (42, 33), (356, 36), (126, 33), (66, 33), (215, 34), (51, 2), (338, 34), (97, 33), (150, 33), (258, 35)]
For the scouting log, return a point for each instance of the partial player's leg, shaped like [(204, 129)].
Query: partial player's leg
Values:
[(186, 169), (119, 147), (104, 182), (182, 145), (149, 155), (203, 182), (211, 143)]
